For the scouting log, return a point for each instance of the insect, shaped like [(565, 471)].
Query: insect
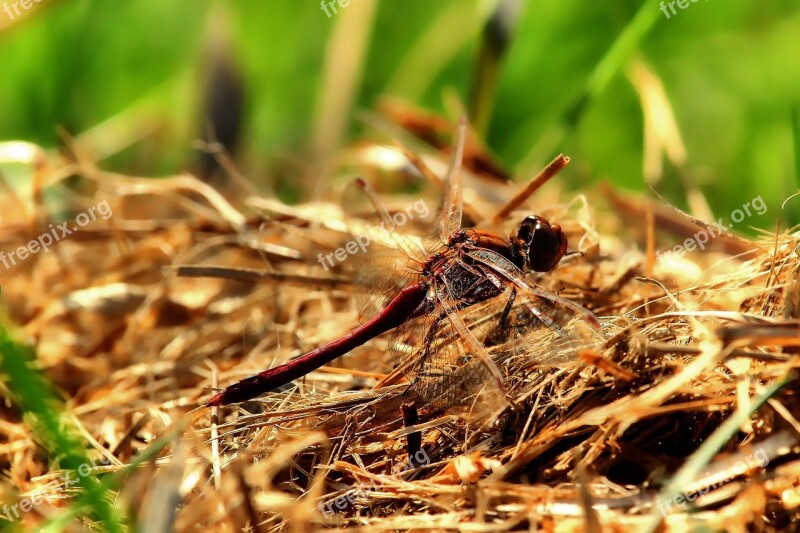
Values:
[(468, 291)]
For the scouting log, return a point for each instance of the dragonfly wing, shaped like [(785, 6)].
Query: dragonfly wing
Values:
[(568, 326), (448, 214), (447, 365), (503, 268), (472, 346), (383, 256), (379, 276)]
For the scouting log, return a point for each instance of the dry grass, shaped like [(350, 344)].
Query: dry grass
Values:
[(590, 443)]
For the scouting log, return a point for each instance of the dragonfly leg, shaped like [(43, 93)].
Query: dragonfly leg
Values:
[(507, 310), (430, 335), (408, 388), (501, 334), (411, 418), (427, 343)]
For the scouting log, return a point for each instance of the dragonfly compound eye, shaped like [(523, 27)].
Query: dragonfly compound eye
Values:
[(543, 245)]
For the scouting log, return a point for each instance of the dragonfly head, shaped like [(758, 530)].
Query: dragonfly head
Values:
[(541, 245)]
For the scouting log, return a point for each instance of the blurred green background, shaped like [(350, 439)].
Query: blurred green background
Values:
[(132, 77)]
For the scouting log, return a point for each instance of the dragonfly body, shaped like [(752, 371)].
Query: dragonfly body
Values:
[(399, 309), (456, 269)]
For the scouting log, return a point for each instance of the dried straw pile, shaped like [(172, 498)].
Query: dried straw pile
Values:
[(700, 349)]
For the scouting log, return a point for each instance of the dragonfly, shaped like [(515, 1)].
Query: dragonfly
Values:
[(449, 303)]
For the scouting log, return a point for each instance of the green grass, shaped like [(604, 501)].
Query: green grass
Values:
[(727, 69), (45, 414)]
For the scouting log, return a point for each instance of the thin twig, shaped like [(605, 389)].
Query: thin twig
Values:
[(554, 167)]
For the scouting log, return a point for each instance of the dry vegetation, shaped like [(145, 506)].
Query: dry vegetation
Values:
[(701, 349)]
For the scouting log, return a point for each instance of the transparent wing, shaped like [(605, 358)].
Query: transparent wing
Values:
[(379, 276), (459, 355), (448, 214), (568, 326), (385, 257), (563, 310), (445, 360)]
